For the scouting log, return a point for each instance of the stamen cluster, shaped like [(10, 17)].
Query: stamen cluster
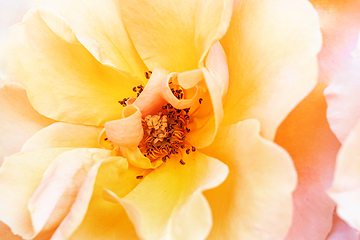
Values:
[(164, 133)]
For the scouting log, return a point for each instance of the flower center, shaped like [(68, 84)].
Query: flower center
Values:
[(165, 133)]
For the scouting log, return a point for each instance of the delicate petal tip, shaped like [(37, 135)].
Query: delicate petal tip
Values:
[(150, 101), (188, 101), (128, 131), (137, 159)]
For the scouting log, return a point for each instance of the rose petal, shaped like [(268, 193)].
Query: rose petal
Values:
[(150, 101), (173, 193), (340, 26), (63, 80), (7, 234), (342, 97), (306, 135), (106, 29), (59, 135), (61, 182), (20, 175), (137, 159), (345, 189), (128, 131), (208, 120), (340, 230), (104, 219), (255, 201), (194, 77), (80, 206), (12, 12), (18, 119), (272, 53), (175, 35)]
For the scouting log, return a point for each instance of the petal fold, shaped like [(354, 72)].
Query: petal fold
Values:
[(63, 80), (18, 119), (255, 201), (106, 219), (107, 30), (345, 189), (128, 131), (272, 53), (20, 175), (58, 189), (173, 193), (178, 34)]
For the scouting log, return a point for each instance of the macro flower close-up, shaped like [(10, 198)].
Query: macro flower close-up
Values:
[(158, 119)]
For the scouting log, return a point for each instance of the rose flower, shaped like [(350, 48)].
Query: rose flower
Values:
[(157, 118)]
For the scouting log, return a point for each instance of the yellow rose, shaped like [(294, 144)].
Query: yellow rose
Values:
[(78, 61)]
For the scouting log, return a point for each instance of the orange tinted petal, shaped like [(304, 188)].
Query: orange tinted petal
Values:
[(306, 135)]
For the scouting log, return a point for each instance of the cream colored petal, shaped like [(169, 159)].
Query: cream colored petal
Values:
[(168, 203), (342, 94), (128, 131), (63, 80), (255, 201), (345, 189), (20, 175), (61, 182), (80, 206), (60, 134), (175, 35), (12, 12), (18, 119), (272, 53), (150, 101), (105, 219), (306, 136), (88, 18)]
